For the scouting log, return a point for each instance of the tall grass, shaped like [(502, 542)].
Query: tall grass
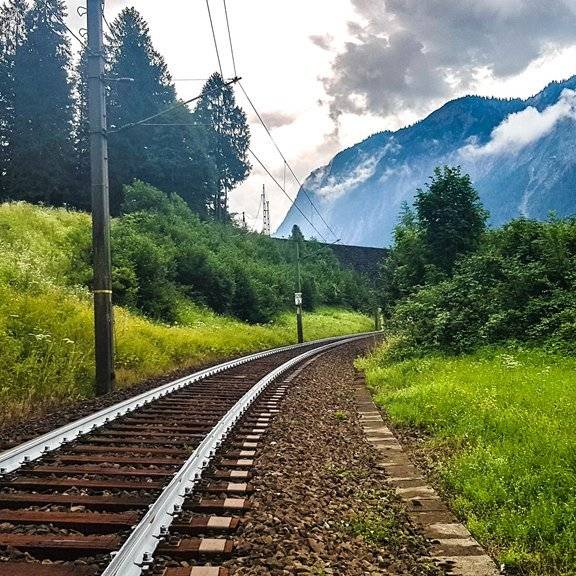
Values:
[(502, 424), (46, 333)]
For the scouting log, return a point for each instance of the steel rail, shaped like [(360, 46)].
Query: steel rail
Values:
[(15, 457), (136, 553)]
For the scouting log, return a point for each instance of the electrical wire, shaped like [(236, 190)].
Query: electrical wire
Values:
[(175, 124), (214, 38), (81, 42), (105, 19), (230, 39), (286, 194), (286, 163), (171, 108), (73, 34)]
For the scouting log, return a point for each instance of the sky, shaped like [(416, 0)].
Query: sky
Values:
[(326, 74)]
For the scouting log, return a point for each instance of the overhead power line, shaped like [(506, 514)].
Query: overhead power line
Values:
[(81, 42), (286, 194), (73, 34), (171, 108), (286, 163), (106, 20), (214, 38), (230, 39)]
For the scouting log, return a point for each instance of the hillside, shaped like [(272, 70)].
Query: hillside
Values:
[(520, 154), (46, 342)]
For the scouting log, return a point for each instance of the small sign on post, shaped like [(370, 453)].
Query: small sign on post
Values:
[(298, 298)]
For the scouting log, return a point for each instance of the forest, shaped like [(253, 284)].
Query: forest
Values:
[(199, 154)]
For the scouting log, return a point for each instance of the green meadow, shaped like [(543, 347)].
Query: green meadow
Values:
[(46, 320), (500, 426)]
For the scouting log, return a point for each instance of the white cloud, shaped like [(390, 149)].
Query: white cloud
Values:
[(407, 53), (525, 127), (362, 172)]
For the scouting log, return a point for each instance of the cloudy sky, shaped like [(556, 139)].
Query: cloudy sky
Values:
[(328, 73)]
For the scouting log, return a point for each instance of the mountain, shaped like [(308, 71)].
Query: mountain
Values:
[(521, 155)]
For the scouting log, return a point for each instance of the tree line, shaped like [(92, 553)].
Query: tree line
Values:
[(452, 284), (199, 154)]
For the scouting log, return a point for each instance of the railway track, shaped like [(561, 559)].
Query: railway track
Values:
[(156, 484)]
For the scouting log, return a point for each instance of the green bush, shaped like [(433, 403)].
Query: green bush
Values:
[(163, 253), (519, 285)]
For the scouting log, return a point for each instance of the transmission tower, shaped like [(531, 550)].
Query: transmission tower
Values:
[(265, 212)]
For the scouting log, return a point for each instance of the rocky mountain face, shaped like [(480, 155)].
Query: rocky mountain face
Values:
[(521, 155)]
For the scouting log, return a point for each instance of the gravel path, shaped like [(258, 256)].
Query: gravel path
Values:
[(321, 505)]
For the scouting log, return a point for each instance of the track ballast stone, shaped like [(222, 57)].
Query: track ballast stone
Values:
[(321, 505)]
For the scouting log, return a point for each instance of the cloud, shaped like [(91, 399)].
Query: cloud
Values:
[(324, 42), (525, 127), (407, 53), (277, 119), (335, 188)]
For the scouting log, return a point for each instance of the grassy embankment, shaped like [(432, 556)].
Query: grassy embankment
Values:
[(46, 320), (501, 431)]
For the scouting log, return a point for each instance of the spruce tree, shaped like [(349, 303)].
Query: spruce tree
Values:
[(40, 147), (451, 216), (183, 160), (229, 139), (12, 34), (171, 153), (136, 152), (82, 132)]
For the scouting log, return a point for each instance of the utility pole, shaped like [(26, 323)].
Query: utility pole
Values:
[(265, 212), (298, 296), (103, 313), (378, 319)]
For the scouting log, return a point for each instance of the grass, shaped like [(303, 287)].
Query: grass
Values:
[(46, 320), (501, 421), (341, 415)]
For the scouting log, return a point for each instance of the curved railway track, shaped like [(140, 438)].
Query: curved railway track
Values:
[(154, 485)]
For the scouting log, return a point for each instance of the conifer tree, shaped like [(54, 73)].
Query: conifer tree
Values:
[(229, 139), (451, 216), (135, 152), (40, 148), (171, 154), (12, 34), (82, 132)]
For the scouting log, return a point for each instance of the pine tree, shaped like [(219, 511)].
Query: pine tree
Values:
[(82, 132), (451, 216), (12, 34), (170, 155), (135, 152), (41, 147), (229, 139)]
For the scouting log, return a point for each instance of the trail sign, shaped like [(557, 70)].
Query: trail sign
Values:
[(298, 298)]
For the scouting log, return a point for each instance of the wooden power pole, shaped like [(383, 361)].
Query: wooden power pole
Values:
[(103, 313)]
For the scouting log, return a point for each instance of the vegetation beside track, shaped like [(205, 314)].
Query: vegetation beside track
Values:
[(481, 337), (501, 437), (46, 315)]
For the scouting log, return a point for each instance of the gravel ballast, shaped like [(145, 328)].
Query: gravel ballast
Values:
[(321, 504)]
